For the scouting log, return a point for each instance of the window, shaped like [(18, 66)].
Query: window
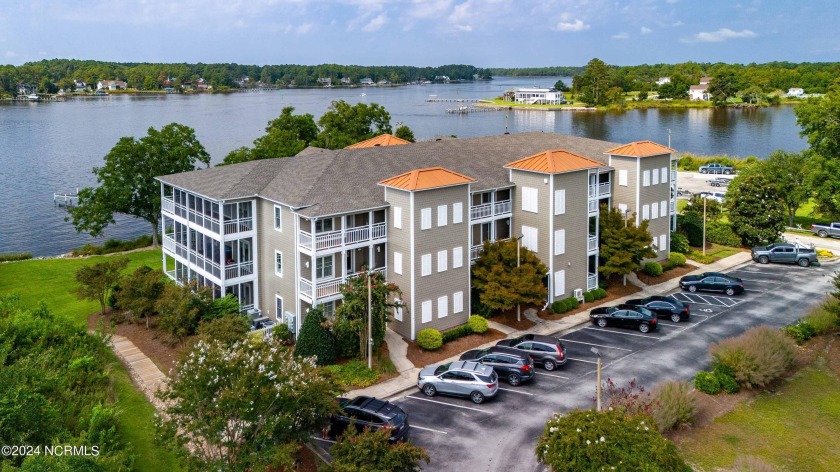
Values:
[(426, 265), (398, 217), (645, 178), (324, 226), (278, 263), (654, 211), (442, 210), (663, 243), (560, 201), (278, 218), (654, 177), (645, 212), (664, 172), (425, 218), (426, 311), (457, 257), (443, 306), (530, 236), (442, 262), (398, 262), (663, 208), (324, 267), (278, 305), (622, 207), (622, 177), (398, 309), (559, 242), (457, 302), (653, 244), (457, 213), (559, 283), (530, 200), (329, 309)]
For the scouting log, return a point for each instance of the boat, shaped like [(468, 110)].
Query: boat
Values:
[(33, 97), (362, 95)]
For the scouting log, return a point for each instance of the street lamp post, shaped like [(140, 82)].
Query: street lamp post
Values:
[(518, 245), (369, 326), (598, 388), (704, 226)]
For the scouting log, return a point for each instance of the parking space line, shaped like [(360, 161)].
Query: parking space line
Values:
[(427, 429), (516, 391), (619, 332), (596, 345), (707, 301), (323, 439), (670, 325), (553, 375), (447, 404), (581, 360)]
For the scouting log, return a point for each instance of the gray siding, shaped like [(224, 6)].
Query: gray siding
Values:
[(655, 194), (399, 240), (269, 240), (575, 222), (621, 194), (538, 220)]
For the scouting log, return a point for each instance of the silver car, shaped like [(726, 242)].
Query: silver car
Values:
[(460, 378)]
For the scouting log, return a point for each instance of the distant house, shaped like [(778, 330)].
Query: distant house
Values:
[(26, 89), (346, 81), (705, 80), (795, 92), (243, 81), (325, 81), (663, 80), (384, 82), (444, 78), (539, 96), (366, 81), (80, 85), (698, 92), (111, 85), (202, 85)]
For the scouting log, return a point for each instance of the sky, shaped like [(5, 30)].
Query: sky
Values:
[(483, 33)]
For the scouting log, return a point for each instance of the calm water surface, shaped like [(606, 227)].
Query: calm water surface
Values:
[(51, 147)]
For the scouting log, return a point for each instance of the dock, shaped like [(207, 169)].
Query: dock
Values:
[(466, 110), (66, 199), (463, 100)]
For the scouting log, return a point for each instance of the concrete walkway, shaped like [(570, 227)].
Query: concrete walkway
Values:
[(407, 380), (145, 374)]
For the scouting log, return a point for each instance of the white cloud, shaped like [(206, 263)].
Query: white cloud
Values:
[(677, 23), (429, 9), (646, 30), (574, 26), (304, 28), (375, 23), (621, 35), (466, 28), (720, 35)]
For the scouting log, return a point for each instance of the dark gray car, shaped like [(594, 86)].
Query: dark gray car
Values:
[(460, 378), (545, 350), (509, 363)]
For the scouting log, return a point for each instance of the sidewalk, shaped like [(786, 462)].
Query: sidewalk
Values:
[(141, 369), (407, 379)]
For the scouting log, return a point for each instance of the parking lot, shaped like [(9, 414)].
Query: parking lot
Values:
[(501, 432)]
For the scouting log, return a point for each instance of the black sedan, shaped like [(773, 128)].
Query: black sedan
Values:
[(510, 364), (664, 307), (369, 412), (624, 316), (712, 282)]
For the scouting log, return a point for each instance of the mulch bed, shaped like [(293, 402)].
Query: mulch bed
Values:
[(421, 357), (614, 291), (671, 274), (508, 318)]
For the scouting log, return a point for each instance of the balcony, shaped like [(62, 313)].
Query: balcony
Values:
[(487, 210), (592, 281), (201, 262), (173, 247), (475, 251), (239, 225), (604, 189), (329, 287), (209, 222), (240, 269), (593, 206), (167, 205), (502, 208), (592, 243), (673, 206), (338, 238)]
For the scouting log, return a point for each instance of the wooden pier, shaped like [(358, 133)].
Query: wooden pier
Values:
[(466, 110), (462, 100), (66, 199)]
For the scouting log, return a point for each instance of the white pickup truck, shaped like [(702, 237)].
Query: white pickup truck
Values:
[(825, 229)]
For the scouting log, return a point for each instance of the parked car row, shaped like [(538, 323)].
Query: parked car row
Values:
[(712, 282)]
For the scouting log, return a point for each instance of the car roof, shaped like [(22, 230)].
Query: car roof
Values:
[(540, 338), (471, 366), (506, 350), (374, 405)]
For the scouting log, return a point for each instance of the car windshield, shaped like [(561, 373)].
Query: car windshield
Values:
[(485, 378), (644, 311), (612, 309), (441, 369)]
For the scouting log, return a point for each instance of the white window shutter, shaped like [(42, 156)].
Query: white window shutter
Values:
[(664, 172), (425, 218), (426, 265), (442, 218), (426, 310), (645, 178), (457, 302), (530, 197), (654, 211), (398, 217), (560, 201), (457, 257), (663, 242), (443, 306), (559, 242), (457, 213), (663, 208), (559, 283), (442, 262), (529, 239), (622, 207), (645, 212), (398, 263), (622, 177), (654, 177)]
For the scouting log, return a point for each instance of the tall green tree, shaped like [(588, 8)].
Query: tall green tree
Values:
[(404, 132), (500, 284), (126, 182), (756, 211), (284, 136), (788, 172), (352, 315), (819, 119), (723, 86), (245, 406), (140, 291), (315, 339), (592, 86), (97, 280), (344, 124), (623, 244)]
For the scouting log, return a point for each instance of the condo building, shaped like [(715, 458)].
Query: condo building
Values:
[(284, 234)]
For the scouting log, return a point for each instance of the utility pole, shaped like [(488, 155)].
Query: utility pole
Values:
[(704, 225), (370, 325), (598, 388), (518, 244)]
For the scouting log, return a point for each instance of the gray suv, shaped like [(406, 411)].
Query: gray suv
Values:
[(461, 379), (545, 350)]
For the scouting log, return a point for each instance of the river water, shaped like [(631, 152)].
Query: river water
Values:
[(52, 147)]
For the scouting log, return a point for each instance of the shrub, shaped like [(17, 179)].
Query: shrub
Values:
[(590, 440), (600, 293), (756, 357), (282, 333), (228, 329), (315, 339), (707, 382), (820, 253), (478, 324), (690, 223), (825, 319), (372, 451), (588, 297), (630, 400), (668, 266), (453, 334), (800, 331), (679, 243), (727, 382), (112, 245), (15, 256), (675, 405), (430, 339), (653, 269), (677, 259), (721, 233), (354, 374), (564, 305), (698, 256)]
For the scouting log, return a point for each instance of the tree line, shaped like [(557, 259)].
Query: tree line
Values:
[(54, 74)]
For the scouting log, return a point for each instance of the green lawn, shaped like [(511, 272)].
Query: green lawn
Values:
[(52, 280), (806, 215), (794, 428)]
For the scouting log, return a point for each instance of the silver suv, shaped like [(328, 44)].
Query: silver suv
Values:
[(460, 378)]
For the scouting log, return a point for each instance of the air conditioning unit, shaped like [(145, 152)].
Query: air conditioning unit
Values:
[(290, 322), (579, 294)]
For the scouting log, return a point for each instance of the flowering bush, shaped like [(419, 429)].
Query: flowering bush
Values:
[(606, 440), (631, 400)]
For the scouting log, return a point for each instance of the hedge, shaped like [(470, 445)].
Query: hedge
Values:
[(564, 305), (679, 243), (477, 324), (721, 233), (429, 339), (707, 382), (112, 245), (653, 269), (453, 334), (588, 297), (15, 256)]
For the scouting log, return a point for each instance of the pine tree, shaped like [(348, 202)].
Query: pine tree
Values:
[(623, 244), (315, 339)]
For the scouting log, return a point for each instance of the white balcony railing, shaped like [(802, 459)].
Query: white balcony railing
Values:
[(168, 243), (357, 235), (475, 251), (502, 208), (593, 206), (604, 189), (239, 225), (481, 211), (167, 205), (379, 231), (330, 287), (673, 206), (334, 238), (592, 243), (591, 281), (593, 191), (240, 269), (673, 175)]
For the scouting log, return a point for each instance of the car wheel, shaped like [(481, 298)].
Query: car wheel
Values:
[(764, 260), (730, 291), (727, 172), (429, 390), (549, 365), (644, 327), (692, 288), (514, 380), (602, 322), (477, 397), (822, 233), (702, 171), (804, 262), (675, 317)]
